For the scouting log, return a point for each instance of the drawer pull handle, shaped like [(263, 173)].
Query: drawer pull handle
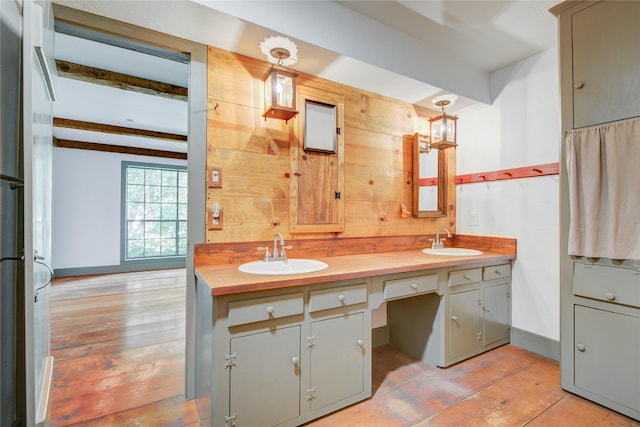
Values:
[(466, 276), (341, 298), (581, 348), (295, 360), (610, 296), (270, 309), (454, 318), (414, 286), (360, 343)]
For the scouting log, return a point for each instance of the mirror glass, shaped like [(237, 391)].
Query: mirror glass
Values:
[(429, 179)]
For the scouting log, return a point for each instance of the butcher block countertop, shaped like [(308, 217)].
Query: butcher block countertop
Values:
[(226, 279)]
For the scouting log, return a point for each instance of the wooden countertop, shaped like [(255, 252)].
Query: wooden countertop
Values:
[(225, 279)]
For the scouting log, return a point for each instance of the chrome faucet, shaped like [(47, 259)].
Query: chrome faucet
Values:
[(275, 255), (437, 243), (275, 243)]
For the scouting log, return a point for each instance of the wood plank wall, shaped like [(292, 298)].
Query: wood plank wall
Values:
[(254, 156)]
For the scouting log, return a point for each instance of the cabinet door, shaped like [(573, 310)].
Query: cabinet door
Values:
[(265, 381), (465, 330), (317, 161), (495, 310), (337, 350), (606, 62), (607, 355)]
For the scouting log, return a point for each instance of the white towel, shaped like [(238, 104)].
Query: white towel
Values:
[(603, 165)]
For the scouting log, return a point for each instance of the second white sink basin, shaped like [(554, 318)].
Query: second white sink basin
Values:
[(452, 251), (291, 266)]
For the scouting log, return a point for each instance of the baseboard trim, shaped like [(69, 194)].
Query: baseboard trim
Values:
[(44, 405), (125, 268), (535, 343)]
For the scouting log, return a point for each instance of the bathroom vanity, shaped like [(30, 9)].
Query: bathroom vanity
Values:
[(284, 350)]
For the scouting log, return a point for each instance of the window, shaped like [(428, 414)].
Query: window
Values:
[(154, 211)]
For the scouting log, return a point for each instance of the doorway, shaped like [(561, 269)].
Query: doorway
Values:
[(196, 137)]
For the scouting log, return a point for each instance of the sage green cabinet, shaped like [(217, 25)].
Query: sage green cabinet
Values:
[(336, 360), (496, 314), (607, 355), (480, 315), (264, 377), (284, 357), (606, 62), (465, 324), (467, 313)]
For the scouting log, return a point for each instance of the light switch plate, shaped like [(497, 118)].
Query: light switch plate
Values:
[(214, 177)]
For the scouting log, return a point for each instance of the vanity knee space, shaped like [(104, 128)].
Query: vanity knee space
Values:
[(466, 313)]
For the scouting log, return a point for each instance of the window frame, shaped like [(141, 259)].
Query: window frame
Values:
[(124, 237)]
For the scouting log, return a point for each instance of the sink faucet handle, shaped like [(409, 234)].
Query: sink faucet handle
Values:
[(266, 252), (283, 254)]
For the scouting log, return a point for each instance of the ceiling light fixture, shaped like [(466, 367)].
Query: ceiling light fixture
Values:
[(280, 83), (443, 127)]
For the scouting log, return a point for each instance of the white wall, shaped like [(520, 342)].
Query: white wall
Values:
[(86, 206), (521, 128)]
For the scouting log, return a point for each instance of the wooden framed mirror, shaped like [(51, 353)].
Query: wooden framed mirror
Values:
[(429, 179)]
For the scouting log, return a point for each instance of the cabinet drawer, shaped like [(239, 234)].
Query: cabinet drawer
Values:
[(408, 286), (267, 308), (496, 272), (611, 284), (464, 277), (325, 299)]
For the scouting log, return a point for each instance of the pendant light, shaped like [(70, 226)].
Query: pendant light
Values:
[(279, 83), (443, 128)]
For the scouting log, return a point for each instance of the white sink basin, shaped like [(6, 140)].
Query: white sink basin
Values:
[(452, 251), (291, 266)]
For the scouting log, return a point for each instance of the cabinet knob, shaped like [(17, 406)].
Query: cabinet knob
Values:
[(414, 286), (579, 85), (341, 298), (454, 318), (498, 272), (581, 348), (466, 276), (360, 343), (295, 360), (610, 296), (270, 309)]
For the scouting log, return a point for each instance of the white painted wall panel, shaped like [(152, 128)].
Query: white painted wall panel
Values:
[(86, 206), (521, 128)]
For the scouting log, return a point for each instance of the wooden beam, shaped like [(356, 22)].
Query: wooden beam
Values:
[(118, 130), (121, 81), (82, 145)]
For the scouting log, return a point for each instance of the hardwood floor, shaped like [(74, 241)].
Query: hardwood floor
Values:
[(118, 344)]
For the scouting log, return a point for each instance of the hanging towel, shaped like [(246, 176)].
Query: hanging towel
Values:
[(603, 170)]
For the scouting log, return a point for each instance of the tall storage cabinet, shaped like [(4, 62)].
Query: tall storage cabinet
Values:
[(599, 298)]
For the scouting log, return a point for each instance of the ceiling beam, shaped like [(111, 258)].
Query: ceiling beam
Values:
[(121, 81), (82, 145), (117, 130)]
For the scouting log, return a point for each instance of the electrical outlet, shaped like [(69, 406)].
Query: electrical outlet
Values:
[(214, 217), (474, 219)]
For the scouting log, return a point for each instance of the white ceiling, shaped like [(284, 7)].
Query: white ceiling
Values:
[(412, 51)]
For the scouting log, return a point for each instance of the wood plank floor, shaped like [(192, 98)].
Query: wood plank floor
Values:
[(118, 344)]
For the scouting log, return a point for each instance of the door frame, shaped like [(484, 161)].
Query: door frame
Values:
[(196, 151)]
